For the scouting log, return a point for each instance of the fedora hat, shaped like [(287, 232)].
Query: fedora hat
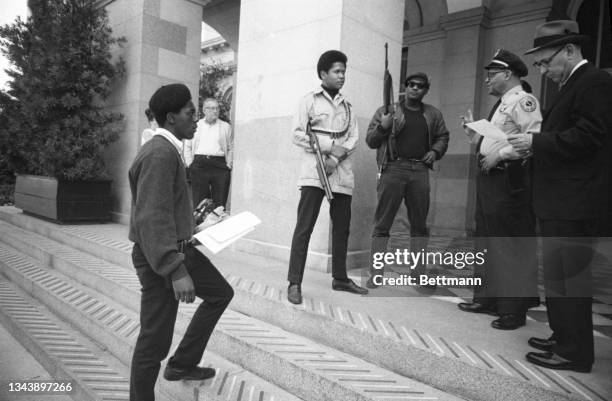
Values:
[(556, 33)]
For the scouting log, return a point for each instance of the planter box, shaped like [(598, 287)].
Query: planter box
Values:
[(63, 201)]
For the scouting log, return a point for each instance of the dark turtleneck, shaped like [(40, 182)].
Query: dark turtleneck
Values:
[(331, 92)]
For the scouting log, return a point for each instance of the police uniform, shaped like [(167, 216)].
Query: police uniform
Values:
[(505, 224)]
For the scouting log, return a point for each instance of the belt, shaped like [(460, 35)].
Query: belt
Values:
[(210, 157), (407, 159)]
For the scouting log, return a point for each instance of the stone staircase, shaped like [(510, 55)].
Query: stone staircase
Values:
[(68, 293)]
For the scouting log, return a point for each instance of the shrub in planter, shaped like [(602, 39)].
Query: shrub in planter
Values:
[(55, 121)]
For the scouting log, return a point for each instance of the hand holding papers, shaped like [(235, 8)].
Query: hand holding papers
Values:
[(227, 231), (470, 133), (488, 130)]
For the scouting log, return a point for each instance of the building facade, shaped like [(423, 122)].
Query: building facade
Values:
[(277, 44)]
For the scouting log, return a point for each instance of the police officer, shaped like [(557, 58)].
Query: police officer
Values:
[(505, 224)]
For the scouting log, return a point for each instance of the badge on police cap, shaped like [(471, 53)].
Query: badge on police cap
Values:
[(528, 104)]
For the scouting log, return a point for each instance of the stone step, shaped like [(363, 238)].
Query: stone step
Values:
[(66, 354), (303, 367), (116, 327), (441, 361)]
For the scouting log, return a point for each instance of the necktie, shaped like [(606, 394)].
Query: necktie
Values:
[(491, 113)]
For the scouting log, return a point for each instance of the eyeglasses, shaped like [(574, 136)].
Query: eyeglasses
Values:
[(491, 74), (546, 62), (416, 85), (211, 108)]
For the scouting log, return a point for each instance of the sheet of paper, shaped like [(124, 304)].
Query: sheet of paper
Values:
[(488, 130), (222, 234)]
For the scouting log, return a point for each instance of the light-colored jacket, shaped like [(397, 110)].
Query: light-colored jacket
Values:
[(328, 115), (226, 141)]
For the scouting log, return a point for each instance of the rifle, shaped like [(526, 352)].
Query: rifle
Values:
[(314, 143), (387, 98), (388, 83)]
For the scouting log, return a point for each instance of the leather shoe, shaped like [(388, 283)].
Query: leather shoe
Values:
[(543, 344), (348, 286), (551, 360), (475, 307), (193, 373), (294, 294), (370, 283), (508, 321)]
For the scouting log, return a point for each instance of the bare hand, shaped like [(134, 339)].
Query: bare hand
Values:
[(490, 161), (184, 291), (386, 120), (429, 157), (330, 166), (521, 142), (467, 118)]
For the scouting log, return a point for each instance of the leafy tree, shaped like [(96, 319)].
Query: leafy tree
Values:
[(53, 118), (211, 76)]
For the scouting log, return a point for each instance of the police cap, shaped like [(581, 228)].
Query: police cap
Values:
[(505, 60)]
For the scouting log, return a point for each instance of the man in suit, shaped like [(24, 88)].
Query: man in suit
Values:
[(209, 156), (571, 167)]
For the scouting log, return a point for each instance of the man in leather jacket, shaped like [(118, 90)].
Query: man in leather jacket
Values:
[(408, 140)]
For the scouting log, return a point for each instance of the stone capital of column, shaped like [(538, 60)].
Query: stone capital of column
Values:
[(424, 34)]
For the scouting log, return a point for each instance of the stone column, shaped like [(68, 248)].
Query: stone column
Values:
[(278, 52), (163, 46)]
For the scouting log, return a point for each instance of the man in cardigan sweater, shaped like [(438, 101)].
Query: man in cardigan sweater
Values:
[(169, 268)]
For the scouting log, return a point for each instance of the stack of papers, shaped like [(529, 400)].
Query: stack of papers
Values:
[(488, 130), (222, 234)]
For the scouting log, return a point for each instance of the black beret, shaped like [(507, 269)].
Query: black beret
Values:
[(328, 59), (168, 98), (505, 60)]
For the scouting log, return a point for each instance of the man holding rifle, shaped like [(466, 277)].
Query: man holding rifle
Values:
[(408, 141), (326, 130)]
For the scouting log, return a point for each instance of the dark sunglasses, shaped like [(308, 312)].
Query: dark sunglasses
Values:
[(416, 85)]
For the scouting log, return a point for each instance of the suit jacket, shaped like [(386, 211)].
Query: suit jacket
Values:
[(571, 154), (226, 141)]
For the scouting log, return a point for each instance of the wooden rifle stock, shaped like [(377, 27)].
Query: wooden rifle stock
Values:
[(314, 142)]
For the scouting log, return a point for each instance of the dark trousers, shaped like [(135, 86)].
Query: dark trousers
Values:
[(407, 181), (158, 310), (567, 254), (210, 178), (505, 227), (308, 211)]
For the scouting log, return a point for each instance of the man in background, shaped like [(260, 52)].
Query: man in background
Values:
[(209, 156)]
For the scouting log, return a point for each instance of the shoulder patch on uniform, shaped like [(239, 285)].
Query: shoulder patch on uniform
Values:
[(528, 103)]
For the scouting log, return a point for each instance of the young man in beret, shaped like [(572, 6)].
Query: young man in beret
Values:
[(330, 118), (169, 268), (505, 225), (571, 190), (407, 143)]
